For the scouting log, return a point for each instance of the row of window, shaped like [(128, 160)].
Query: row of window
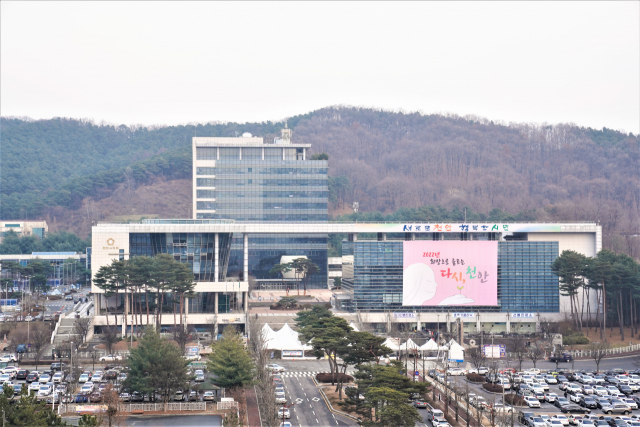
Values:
[(283, 216), (242, 153), (218, 194), (218, 171), (222, 183), (211, 206)]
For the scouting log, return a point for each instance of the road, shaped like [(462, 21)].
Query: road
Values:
[(310, 408)]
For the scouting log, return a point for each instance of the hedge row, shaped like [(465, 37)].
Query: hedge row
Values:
[(325, 377), (514, 400), (476, 378), (494, 388)]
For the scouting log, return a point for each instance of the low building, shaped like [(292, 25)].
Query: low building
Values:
[(24, 228)]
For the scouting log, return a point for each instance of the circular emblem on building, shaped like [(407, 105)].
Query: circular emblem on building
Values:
[(110, 242)]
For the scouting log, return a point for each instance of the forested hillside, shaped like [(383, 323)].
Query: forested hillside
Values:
[(75, 172)]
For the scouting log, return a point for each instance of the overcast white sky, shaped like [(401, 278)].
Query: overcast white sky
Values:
[(170, 63)]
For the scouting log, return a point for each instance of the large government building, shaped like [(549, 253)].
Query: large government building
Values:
[(491, 276), (259, 203)]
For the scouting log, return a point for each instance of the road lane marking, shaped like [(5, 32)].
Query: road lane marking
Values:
[(314, 412), (317, 421)]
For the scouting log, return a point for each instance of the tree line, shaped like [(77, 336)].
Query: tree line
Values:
[(61, 241), (614, 280), (144, 282)]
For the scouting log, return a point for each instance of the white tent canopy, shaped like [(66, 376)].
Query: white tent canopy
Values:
[(284, 339), (409, 345), (429, 346), (456, 351), (354, 327), (392, 343)]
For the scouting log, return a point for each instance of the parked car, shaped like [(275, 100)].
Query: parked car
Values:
[(275, 368), (575, 409), (33, 376), (617, 408), (456, 371), (531, 402), (111, 358), (588, 402), (22, 374), (209, 396)]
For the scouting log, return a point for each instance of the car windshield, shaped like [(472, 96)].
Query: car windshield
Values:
[(537, 420)]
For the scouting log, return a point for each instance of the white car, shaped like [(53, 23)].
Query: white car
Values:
[(6, 358), (480, 371), (34, 386), (550, 397), (585, 422), (552, 422), (587, 389), (280, 398), (586, 379), (575, 398), (284, 413), (5, 377), (208, 395), (275, 368), (537, 388), (13, 370), (632, 403), (613, 390), (562, 418), (45, 390), (456, 371), (532, 371), (83, 378), (550, 379), (86, 389), (504, 383), (44, 378), (600, 391), (97, 377), (532, 402), (58, 377), (111, 358)]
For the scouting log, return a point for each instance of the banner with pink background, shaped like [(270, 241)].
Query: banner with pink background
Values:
[(450, 273)]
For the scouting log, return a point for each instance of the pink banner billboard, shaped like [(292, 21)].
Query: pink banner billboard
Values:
[(450, 273)]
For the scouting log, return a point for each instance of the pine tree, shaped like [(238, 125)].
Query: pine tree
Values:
[(230, 361)]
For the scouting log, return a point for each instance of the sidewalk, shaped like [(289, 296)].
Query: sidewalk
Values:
[(253, 412)]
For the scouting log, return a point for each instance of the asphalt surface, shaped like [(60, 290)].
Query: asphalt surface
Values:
[(310, 408)]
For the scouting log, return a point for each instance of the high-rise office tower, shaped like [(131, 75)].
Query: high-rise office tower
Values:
[(248, 179)]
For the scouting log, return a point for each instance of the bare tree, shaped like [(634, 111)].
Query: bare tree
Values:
[(111, 400), (40, 337), (519, 350), (535, 354), (110, 336), (264, 388), (476, 356), (81, 327), (598, 352), (182, 336)]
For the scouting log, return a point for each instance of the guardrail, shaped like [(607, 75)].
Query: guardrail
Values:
[(146, 407), (55, 330), (227, 405), (590, 353)]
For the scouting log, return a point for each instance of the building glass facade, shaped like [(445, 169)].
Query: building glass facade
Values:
[(195, 249), (265, 183), (525, 279)]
